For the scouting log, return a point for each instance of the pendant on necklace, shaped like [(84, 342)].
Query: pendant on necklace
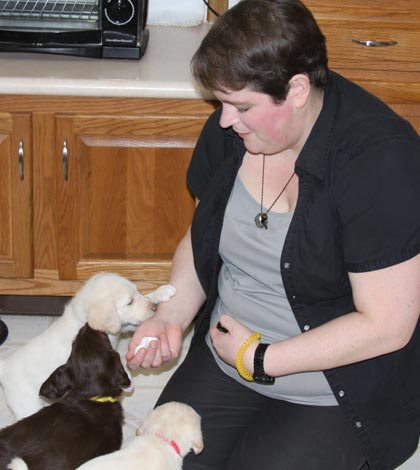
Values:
[(261, 220)]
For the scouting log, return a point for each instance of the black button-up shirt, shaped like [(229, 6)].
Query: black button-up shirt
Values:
[(358, 210)]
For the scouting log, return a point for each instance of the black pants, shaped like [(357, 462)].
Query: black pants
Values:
[(243, 430), (3, 332)]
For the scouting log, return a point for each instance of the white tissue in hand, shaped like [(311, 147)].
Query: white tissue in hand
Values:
[(144, 343)]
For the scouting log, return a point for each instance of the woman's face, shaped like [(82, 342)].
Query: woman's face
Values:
[(264, 125)]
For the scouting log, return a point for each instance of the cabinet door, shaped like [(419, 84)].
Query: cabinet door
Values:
[(16, 254), (123, 203)]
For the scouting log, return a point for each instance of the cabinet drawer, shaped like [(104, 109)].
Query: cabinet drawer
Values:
[(344, 52)]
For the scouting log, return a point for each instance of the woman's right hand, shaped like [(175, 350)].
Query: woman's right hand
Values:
[(159, 352)]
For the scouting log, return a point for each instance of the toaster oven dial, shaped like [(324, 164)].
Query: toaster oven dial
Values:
[(119, 12)]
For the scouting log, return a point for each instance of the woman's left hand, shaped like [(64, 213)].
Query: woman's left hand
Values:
[(227, 344)]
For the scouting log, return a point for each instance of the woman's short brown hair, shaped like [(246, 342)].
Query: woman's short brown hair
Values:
[(262, 44)]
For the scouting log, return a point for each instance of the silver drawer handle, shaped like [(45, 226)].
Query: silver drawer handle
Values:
[(375, 43), (20, 160), (65, 161)]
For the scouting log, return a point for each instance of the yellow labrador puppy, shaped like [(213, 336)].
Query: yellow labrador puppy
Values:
[(168, 433)]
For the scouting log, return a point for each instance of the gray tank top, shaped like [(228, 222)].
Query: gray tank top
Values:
[(251, 290)]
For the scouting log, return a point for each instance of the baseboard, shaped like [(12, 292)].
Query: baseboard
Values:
[(32, 304)]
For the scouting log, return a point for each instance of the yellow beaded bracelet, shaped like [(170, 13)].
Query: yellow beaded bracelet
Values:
[(239, 361)]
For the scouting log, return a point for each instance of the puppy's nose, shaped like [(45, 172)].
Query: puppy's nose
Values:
[(151, 309)]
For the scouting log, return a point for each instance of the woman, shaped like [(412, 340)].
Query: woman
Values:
[(302, 263)]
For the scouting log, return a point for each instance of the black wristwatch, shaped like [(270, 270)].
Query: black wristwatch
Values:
[(259, 375)]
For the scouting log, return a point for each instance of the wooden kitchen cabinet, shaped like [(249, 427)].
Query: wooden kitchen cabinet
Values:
[(104, 189)]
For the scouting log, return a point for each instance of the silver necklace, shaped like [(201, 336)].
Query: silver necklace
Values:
[(261, 219)]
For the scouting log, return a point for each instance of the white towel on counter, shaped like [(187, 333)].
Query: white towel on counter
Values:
[(176, 12)]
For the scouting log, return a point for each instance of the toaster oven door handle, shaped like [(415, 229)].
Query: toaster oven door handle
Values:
[(45, 39)]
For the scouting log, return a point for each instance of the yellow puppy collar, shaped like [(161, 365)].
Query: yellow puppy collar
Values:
[(104, 399)]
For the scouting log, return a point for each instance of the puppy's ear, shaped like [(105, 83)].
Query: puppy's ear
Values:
[(120, 377), (103, 316), (58, 383)]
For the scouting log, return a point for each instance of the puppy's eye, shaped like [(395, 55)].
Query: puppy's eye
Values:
[(130, 301)]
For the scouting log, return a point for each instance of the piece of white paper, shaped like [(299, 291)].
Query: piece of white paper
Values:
[(145, 342)]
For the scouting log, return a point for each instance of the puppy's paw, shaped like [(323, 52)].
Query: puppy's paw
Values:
[(162, 294)]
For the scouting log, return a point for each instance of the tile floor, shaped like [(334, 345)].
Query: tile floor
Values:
[(147, 384)]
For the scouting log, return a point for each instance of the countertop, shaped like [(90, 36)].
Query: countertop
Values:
[(163, 71)]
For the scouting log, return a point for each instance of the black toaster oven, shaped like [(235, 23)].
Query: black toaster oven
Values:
[(114, 29)]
